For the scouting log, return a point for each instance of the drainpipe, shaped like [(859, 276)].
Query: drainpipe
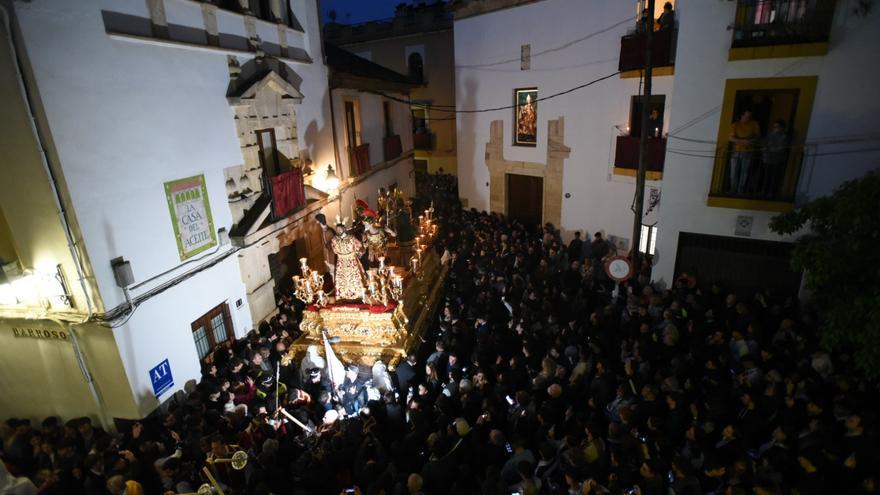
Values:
[(62, 214)]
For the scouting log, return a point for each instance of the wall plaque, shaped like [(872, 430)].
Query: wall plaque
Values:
[(190, 215)]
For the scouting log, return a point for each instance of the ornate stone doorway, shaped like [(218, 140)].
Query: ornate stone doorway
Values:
[(550, 173)]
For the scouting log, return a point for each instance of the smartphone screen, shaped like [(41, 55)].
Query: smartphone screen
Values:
[(509, 400)]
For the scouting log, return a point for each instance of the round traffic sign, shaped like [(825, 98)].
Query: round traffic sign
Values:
[(619, 268)]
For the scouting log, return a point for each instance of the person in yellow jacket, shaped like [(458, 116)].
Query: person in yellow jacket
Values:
[(744, 133)]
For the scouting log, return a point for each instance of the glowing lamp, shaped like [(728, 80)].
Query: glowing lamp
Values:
[(331, 180)]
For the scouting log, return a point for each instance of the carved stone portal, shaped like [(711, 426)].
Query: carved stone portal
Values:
[(551, 172)]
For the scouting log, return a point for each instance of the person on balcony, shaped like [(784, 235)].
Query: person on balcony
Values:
[(667, 18), (743, 134), (773, 159), (645, 20), (655, 124)]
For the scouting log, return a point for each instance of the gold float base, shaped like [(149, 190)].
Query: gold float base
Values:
[(363, 336)]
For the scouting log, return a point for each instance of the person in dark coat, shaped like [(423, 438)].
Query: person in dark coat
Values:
[(406, 373)]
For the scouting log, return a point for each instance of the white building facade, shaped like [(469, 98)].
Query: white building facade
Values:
[(802, 63), (164, 123), (551, 46)]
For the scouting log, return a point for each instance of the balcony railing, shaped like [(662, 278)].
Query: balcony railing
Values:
[(627, 153), (632, 50), (422, 141), (392, 147), (757, 175), (781, 22)]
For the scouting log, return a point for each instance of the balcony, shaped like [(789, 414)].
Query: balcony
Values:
[(626, 156), (423, 141), (781, 28), (392, 147), (632, 51), (757, 180), (287, 192)]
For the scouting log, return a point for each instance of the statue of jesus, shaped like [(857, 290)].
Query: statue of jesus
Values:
[(348, 276)]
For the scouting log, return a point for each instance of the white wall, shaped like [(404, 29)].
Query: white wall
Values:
[(846, 104), (599, 200), (372, 123), (125, 117), (160, 329)]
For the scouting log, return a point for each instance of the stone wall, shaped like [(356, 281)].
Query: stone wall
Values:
[(551, 172)]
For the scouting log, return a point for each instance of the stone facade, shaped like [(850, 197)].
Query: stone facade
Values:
[(267, 104), (551, 172)]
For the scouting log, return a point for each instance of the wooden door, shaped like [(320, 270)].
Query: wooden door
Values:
[(525, 199)]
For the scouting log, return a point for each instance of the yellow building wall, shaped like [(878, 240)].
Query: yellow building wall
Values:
[(41, 376), (439, 71)]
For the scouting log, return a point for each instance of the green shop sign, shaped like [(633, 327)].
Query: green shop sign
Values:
[(190, 215)]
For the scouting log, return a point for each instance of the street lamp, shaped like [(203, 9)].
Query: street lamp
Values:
[(331, 180)]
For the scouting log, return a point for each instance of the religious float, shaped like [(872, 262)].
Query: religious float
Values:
[(375, 312)]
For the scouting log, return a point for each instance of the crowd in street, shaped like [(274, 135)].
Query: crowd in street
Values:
[(532, 379)]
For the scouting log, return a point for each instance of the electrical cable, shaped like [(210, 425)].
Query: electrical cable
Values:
[(549, 50), (494, 109)]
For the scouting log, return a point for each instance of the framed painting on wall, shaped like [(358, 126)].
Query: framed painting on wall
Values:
[(525, 117)]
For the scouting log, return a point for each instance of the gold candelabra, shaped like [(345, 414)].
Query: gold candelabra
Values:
[(309, 287), (427, 232), (383, 285)]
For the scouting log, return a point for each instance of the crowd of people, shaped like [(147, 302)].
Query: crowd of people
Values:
[(532, 379)]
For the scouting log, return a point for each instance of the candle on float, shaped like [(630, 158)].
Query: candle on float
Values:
[(381, 262), (415, 264)]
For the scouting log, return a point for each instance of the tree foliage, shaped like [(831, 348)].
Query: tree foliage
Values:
[(841, 257)]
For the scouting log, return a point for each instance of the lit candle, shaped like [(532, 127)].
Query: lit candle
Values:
[(415, 265), (381, 262)]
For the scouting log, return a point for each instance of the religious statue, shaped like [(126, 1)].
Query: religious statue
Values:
[(348, 276), (377, 236)]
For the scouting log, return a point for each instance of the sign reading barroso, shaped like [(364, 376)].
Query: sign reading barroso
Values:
[(191, 215)]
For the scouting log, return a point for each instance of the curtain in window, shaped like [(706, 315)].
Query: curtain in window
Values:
[(287, 192)]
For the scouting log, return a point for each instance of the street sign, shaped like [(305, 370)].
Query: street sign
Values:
[(619, 268), (161, 378)]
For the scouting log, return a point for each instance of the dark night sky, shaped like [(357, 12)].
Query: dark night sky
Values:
[(360, 10)]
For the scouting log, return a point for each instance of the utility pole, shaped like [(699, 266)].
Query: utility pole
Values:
[(643, 142)]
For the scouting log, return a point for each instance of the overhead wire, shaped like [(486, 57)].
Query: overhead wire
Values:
[(550, 50), (493, 109)]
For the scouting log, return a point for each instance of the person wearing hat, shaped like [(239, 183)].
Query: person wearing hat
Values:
[(352, 392), (266, 389)]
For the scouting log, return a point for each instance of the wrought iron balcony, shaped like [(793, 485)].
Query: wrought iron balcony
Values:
[(423, 141), (632, 50), (626, 155), (781, 22)]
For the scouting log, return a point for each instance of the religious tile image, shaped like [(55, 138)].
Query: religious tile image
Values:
[(525, 117)]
